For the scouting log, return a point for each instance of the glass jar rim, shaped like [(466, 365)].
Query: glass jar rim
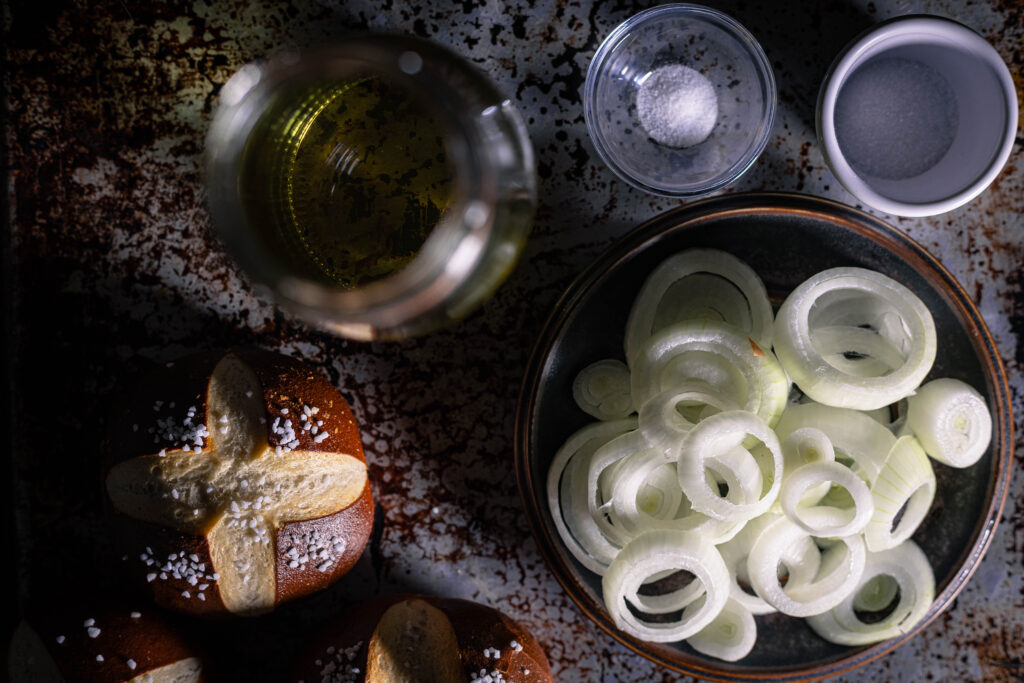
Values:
[(454, 246)]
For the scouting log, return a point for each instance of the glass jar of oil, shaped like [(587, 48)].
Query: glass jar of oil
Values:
[(379, 188)]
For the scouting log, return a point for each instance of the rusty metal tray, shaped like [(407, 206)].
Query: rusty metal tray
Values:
[(110, 266)]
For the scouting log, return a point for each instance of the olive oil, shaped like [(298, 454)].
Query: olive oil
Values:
[(346, 180)]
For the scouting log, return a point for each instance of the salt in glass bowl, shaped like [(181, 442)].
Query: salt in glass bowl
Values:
[(720, 49)]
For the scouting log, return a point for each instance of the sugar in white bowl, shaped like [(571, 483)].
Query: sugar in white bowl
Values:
[(896, 118), (917, 116)]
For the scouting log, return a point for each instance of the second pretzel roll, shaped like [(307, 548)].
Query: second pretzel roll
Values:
[(424, 639), (101, 638)]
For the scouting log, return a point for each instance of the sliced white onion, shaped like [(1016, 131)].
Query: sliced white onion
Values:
[(806, 445), (841, 560), (857, 351), (717, 436), (717, 355), (564, 499), (700, 284), (854, 297), (636, 506), (602, 390), (825, 520), (660, 496), (841, 566), (661, 418), (636, 480), (730, 636), (715, 530), (802, 562), (906, 482), (735, 552), (608, 478), (739, 471), (718, 531), (876, 594), (951, 420), (629, 444), (659, 551), (802, 447), (882, 416), (638, 500), (854, 435), (665, 603), (909, 567)]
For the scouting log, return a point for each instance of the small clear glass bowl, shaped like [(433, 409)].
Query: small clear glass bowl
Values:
[(703, 39)]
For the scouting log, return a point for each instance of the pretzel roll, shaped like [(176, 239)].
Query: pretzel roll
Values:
[(239, 482), (106, 642), (423, 639)]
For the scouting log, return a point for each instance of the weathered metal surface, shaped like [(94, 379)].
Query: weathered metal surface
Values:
[(114, 267)]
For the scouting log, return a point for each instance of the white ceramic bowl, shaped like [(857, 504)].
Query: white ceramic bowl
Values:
[(977, 139)]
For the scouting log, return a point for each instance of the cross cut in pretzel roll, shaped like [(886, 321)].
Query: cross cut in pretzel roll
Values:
[(242, 480)]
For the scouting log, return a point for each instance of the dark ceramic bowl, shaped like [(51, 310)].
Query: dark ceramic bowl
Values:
[(785, 238)]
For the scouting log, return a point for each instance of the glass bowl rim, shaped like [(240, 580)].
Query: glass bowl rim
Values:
[(711, 16)]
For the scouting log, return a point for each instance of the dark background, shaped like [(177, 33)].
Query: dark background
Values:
[(110, 266)]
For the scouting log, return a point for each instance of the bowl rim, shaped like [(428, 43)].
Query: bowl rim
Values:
[(842, 65), (761, 64), (685, 218)]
